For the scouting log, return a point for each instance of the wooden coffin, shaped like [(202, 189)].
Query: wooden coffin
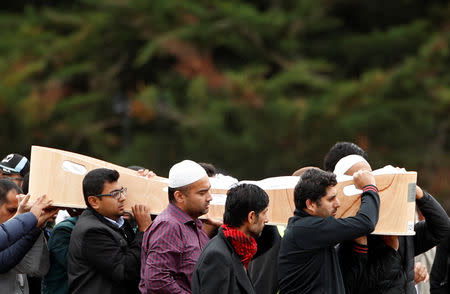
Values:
[(397, 202), (59, 174)]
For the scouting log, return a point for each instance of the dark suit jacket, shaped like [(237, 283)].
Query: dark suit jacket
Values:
[(219, 270), (102, 257)]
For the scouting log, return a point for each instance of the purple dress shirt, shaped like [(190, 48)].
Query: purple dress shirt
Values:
[(170, 249)]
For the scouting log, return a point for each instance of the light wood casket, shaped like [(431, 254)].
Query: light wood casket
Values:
[(59, 174)]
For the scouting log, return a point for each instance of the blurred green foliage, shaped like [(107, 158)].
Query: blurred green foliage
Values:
[(258, 88)]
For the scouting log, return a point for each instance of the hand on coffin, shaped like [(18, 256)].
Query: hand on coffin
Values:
[(42, 209), (363, 178), (419, 192), (210, 226), (146, 173), (361, 240), (24, 206), (391, 241), (142, 215), (420, 273)]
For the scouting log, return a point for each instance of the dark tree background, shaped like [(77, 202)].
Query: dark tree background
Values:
[(259, 88)]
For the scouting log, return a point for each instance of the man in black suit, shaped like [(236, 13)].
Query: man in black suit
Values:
[(222, 266)]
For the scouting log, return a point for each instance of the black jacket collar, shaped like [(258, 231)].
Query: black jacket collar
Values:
[(301, 213)]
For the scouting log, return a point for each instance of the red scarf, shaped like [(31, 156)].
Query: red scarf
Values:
[(244, 246)]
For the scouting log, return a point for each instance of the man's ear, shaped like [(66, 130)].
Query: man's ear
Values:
[(179, 196), (94, 202), (251, 217), (310, 205)]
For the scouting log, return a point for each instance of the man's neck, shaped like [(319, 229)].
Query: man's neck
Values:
[(244, 229), (308, 211), (194, 217)]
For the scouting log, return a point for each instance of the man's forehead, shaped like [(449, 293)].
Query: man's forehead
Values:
[(111, 186), (11, 196), (202, 184), (331, 191)]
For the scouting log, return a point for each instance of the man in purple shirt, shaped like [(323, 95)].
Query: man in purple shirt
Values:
[(174, 241)]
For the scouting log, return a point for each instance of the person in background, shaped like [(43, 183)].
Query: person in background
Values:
[(18, 234), (209, 168), (423, 264), (56, 280), (14, 167), (390, 259), (440, 271), (28, 255)]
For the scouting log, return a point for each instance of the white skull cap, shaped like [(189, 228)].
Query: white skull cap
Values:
[(345, 163), (184, 173)]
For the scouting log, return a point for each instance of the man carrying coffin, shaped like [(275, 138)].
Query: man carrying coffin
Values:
[(174, 241), (307, 260), (389, 264), (104, 251)]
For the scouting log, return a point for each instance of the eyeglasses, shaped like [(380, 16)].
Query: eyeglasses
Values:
[(116, 194)]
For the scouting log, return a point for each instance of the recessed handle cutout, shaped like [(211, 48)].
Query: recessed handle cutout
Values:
[(218, 199), (351, 190), (75, 168)]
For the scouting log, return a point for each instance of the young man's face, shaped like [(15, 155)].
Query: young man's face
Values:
[(9, 208), (197, 198), (328, 204), (109, 206), (256, 228)]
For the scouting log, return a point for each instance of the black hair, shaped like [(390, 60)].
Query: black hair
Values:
[(339, 151), (312, 185), (209, 168), (26, 183), (241, 200), (94, 181), (135, 167), (171, 192), (6, 186)]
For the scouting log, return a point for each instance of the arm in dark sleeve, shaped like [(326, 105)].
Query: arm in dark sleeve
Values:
[(269, 238), (330, 231), (137, 241), (15, 228), (439, 270), (353, 260), (118, 262), (11, 256), (212, 275), (434, 228)]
